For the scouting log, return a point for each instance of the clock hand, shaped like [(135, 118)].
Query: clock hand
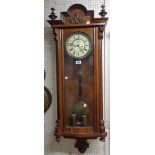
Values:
[(76, 45), (81, 50)]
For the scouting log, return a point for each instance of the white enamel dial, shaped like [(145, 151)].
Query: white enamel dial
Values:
[(78, 45)]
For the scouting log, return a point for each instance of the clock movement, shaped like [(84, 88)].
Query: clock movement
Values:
[(80, 86)]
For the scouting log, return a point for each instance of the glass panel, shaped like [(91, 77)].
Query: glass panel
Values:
[(79, 91)]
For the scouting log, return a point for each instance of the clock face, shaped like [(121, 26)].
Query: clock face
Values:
[(78, 45)]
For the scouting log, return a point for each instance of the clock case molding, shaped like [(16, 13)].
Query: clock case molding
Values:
[(78, 17)]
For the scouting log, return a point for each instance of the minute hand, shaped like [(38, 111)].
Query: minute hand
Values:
[(81, 50)]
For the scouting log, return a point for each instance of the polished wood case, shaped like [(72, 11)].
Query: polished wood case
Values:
[(79, 82)]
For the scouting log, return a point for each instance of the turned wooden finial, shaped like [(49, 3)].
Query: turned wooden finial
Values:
[(52, 16), (103, 12)]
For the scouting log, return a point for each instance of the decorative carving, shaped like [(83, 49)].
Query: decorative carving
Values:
[(77, 18), (82, 145), (103, 12), (55, 31), (102, 131), (101, 29), (52, 16), (56, 133), (77, 14)]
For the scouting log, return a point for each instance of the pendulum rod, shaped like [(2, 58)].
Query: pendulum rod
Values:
[(80, 83)]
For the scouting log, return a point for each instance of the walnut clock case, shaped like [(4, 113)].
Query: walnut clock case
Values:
[(78, 39)]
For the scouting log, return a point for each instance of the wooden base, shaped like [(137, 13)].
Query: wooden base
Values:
[(82, 145)]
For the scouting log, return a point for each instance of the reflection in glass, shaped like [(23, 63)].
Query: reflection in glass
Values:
[(80, 114), (79, 92)]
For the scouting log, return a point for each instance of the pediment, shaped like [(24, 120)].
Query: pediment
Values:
[(77, 14)]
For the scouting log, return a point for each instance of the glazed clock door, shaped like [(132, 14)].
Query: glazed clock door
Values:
[(79, 102)]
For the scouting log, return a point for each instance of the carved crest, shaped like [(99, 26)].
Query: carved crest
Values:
[(77, 14), (77, 18)]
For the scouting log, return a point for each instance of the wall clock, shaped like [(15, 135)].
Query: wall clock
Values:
[(47, 96), (78, 37), (47, 99)]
